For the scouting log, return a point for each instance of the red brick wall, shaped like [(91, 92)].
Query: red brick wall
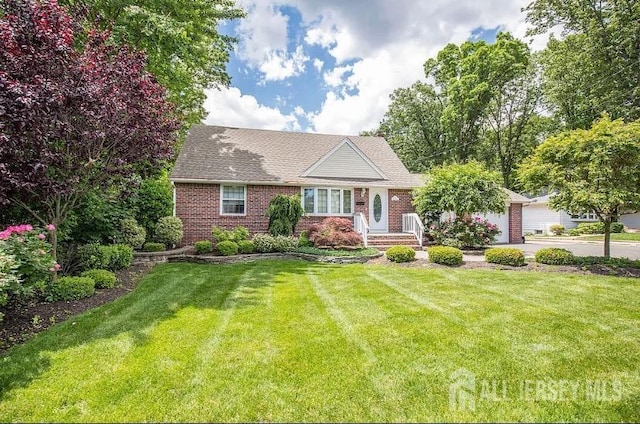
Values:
[(398, 208), (198, 205), (515, 223)]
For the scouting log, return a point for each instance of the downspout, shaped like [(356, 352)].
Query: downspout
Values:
[(173, 187)]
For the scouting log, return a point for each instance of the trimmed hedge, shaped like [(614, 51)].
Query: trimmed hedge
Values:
[(71, 288), (227, 248), (246, 246), (203, 246), (265, 243), (168, 230), (120, 256), (554, 256), (504, 256), (401, 254), (104, 279), (445, 255), (154, 247)]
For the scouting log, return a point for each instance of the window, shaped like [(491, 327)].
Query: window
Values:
[(589, 216), (327, 201), (233, 199)]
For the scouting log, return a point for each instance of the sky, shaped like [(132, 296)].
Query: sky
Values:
[(329, 66)]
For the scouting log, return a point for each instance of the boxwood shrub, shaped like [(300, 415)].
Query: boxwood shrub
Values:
[(265, 243), (445, 255), (71, 288), (504, 256), (554, 256), (120, 256), (227, 248), (401, 254), (154, 247), (203, 247), (246, 246), (104, 279)]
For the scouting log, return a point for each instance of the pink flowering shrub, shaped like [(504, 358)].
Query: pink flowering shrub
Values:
[(464, 232), (27, 261), (334, 232)]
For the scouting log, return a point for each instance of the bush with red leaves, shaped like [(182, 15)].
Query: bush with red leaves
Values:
[(334, 232)]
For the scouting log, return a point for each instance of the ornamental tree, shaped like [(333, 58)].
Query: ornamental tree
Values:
[(72, 120), (590, 170), (463, 189)]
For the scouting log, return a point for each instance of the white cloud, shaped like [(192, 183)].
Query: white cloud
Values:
[(229, 107), (318, 64), (335, 77), (263, 42)]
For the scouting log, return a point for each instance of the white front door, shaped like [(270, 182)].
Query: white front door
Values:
[(378, 210)]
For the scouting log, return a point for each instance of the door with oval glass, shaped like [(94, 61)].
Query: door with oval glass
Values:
[(378, 210)]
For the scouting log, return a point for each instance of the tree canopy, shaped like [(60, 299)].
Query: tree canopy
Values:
[(72, 120), (185, 50), (460, 188), (589, 170)]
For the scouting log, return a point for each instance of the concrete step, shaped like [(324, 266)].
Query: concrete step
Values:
[(391, 242), (387, 247)]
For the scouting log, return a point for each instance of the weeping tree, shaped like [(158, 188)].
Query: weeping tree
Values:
[(284, 212)]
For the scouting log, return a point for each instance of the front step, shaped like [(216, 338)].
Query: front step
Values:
[(385, 241)]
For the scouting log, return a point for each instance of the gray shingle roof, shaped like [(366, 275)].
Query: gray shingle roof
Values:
[(219, 154)]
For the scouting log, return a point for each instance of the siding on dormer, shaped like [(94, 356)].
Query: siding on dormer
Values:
[(345, 162)]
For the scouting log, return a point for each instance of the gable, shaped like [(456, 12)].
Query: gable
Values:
[(345, 161)]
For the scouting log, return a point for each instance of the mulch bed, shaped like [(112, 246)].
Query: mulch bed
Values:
[(23, 321), (530, 266)]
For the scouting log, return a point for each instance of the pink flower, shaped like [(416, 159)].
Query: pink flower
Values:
[(42, 236), (52, 269), (50, 227), (5, 234), (57, 266)]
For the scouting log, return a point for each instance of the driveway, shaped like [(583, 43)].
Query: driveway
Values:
[(583, 248)]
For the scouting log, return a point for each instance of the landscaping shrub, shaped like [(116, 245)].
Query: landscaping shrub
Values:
[(557, 229), (91, 256), (238, 234), (591, 228), (265, 243), (574, 232), (401, 254), (334, 232), (203, 246), (246, 246), (131, 233), (103, 278), (554, 256), (154, 247), (601, 260), (284, 212), (464, 232), (152, 201), (117, 256), (26, 261), (617, 227), (504, 256), (71, 288), (227, 248), (168, 230), (445, 255), (303, 240)]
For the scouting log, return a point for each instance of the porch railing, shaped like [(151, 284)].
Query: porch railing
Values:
[(411, 223), (361, 225)]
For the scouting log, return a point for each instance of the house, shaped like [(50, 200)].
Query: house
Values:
[(227, 176), (537, 217)]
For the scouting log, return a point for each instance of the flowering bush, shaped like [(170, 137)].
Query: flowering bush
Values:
[(334, 232), (464, 232), (25, 260)]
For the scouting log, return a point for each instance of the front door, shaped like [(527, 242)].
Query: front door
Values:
[(378, 210)]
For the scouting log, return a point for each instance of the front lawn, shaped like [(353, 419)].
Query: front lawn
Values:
[(298, 341), (615, 237)]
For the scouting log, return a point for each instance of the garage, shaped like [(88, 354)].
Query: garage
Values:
[(502, 221)]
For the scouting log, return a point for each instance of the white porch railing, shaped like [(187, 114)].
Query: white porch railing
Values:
[(411, 223), (361, 225)]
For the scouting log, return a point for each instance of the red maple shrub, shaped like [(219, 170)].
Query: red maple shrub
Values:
[(334, 232)]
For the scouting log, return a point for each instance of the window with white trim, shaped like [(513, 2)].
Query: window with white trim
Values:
[(327, 201), (589, 216), (233, 200)]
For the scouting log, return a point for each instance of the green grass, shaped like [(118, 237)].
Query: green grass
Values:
[(369, 251), (297, 341), (615, 237)]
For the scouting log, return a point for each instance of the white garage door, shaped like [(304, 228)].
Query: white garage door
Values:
[(502, 221)]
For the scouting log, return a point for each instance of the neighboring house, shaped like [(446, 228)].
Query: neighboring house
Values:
[(227, 177), (538, 217)]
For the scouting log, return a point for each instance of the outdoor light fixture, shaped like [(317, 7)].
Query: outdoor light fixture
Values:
[(363, 192)]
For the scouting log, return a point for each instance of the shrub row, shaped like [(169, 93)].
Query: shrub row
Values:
[(75, 288), (595, 228), (265, 243), (112, 257), (152, 246)]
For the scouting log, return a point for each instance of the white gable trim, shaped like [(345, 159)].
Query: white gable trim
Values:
[(335, 149)]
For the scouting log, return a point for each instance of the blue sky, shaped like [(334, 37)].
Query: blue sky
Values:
[(329, 66)]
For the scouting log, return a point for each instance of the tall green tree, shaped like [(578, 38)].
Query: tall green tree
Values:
[(185, 50), (589, 170), (596, 66)]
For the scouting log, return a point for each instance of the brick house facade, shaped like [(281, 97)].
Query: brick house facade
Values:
[(238, 171)]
